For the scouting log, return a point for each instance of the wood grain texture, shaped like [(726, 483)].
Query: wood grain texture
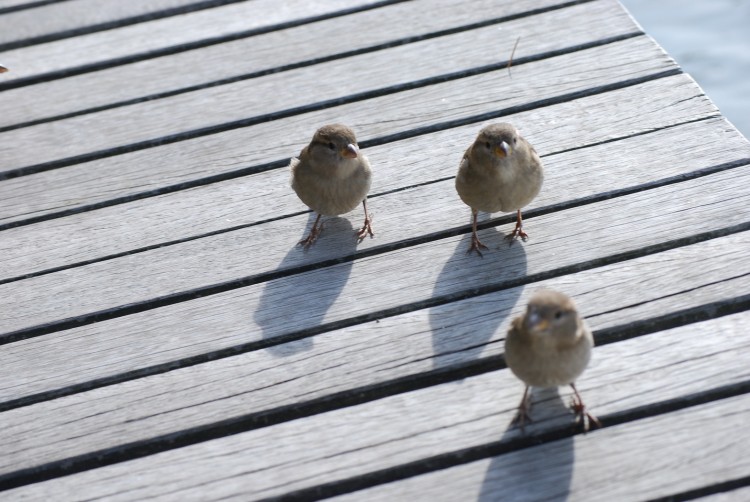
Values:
[(76, 14), (338, 361), (364, 286), (159, 34), (259, 197), (444, 418), (266, 51), (688, 449), (399, 112)]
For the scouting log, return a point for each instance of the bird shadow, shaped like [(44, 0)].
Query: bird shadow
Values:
[(297, 302), (542, 472), (461, 330)]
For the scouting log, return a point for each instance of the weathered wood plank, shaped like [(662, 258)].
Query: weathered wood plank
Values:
[(403, 111), (473, 412), (143, 38), (267, 51), (368, 354), (76, 14), (665, 213), (649, 460), (737, 495), (259, 197)]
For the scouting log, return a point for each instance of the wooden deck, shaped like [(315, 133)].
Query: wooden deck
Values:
[(161, 336)]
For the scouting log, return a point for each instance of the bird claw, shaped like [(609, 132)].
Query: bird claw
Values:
[(476, 245), (522, 416), (584, 416), (365, 230), (515, 234), (311, 237)]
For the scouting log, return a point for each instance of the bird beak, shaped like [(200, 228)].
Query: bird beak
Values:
[(3, 69), (503, 150), (535, 322), (350, 151)]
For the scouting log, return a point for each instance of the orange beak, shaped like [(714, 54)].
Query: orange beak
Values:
[(350, 151), (503, 150), (3, 69)]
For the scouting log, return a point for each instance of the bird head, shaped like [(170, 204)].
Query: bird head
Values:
[(496, 142), (552, 314), (334, 143)]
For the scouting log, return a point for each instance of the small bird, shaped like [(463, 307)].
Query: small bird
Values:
[(500, 171), (332, 177), (549, 346)]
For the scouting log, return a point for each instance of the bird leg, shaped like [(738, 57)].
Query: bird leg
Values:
[(366, 227), (518, 231), (523, 416), (580, 410), (476, 244), (313, 235)]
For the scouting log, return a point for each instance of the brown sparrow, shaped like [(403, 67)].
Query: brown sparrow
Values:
[(501, 171), (549, 346), (332, 177)]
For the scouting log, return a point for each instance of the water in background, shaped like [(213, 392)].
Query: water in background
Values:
[(710, 40)]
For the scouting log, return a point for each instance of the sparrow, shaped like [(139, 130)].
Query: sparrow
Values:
[(549, 346), (500, 171), (332, 177)]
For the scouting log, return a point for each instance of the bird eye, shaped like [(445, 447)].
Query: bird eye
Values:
[(331, 145), (515, 140), (487, 144), (558, 314)]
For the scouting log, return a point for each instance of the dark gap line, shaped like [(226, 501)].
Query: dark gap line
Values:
[(117, 23), (634, 135), (278, 69), (376, 391), (413, 242), (704, 491), (603, 337), (320, 105), (166, 51), (496, 448), (28, 5), (183, 296), (671, 295)]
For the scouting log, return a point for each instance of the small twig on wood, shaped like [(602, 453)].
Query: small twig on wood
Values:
[(510, 61)]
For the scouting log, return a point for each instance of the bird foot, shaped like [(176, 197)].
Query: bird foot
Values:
[(311, 237), (515, 234), (522, 416), (365, 230), (584, 416), (476, 245)]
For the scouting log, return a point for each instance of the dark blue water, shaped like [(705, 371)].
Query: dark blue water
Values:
[(710, 40)]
